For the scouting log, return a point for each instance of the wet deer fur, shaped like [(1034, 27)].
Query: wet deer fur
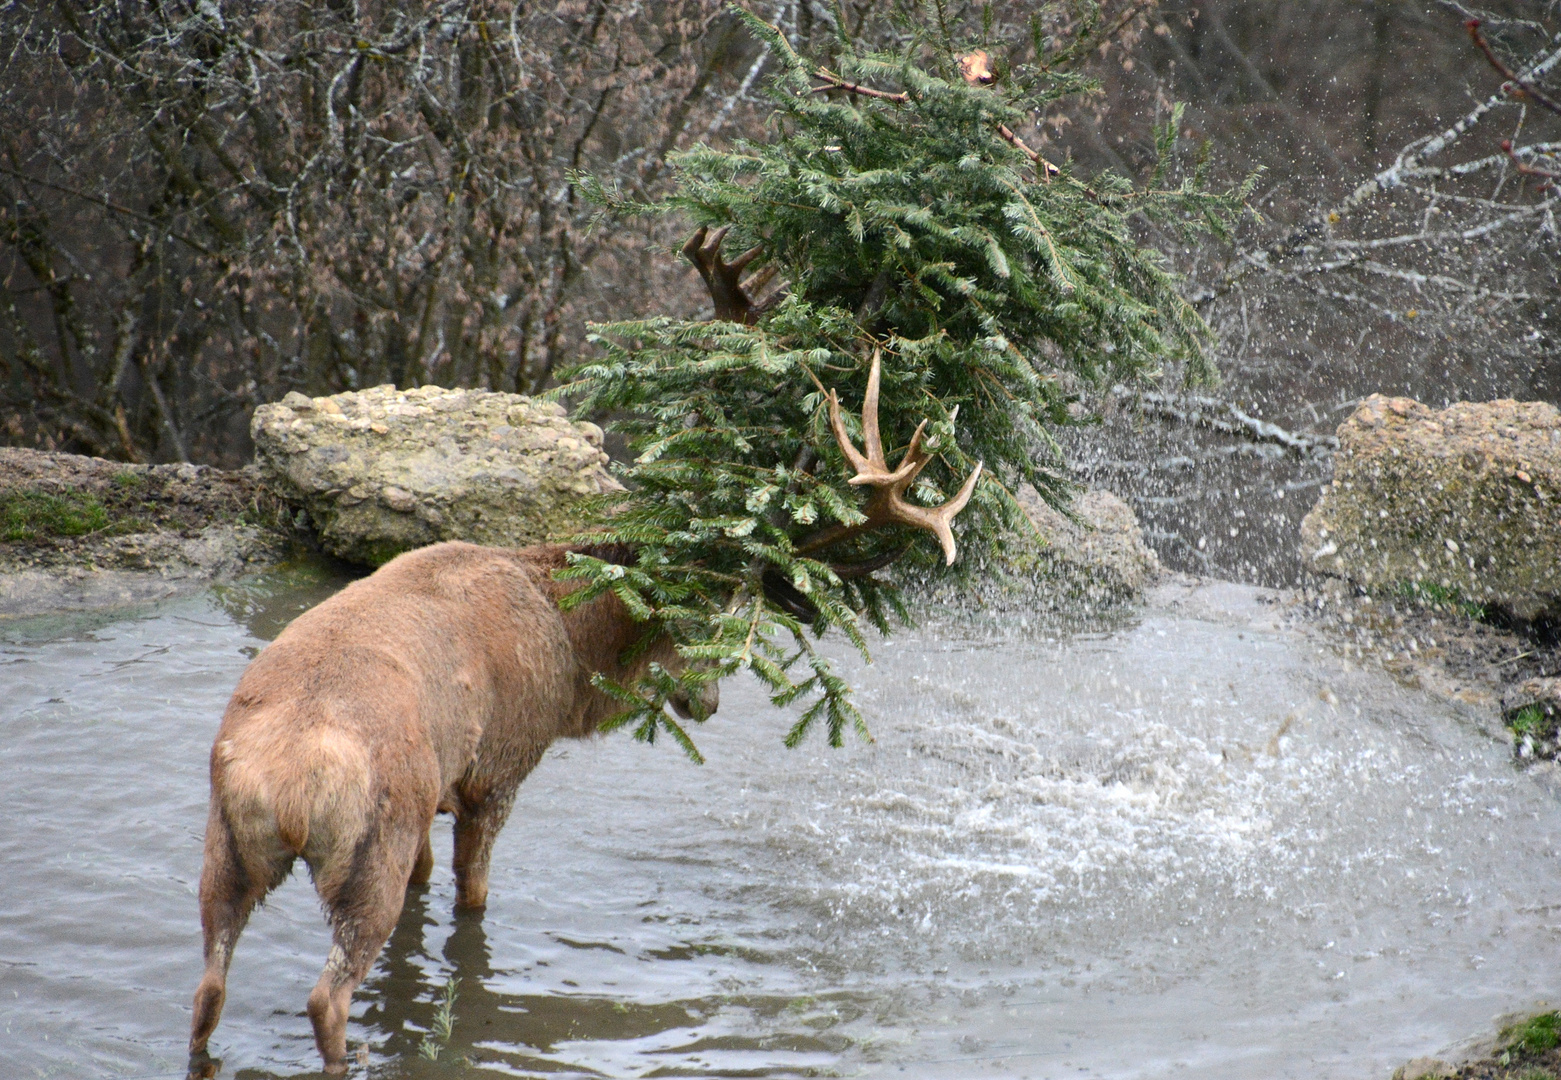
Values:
[(433, 685)]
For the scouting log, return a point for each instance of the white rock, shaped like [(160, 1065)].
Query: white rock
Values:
[(382, 471)]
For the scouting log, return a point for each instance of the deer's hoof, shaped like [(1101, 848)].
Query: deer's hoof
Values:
[(202, 1065)]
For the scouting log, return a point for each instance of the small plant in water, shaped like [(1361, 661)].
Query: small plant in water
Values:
[(443, 1026), (1536, 731), (1533, 1036)]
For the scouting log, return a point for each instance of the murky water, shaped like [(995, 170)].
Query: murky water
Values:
[(1192, 843)]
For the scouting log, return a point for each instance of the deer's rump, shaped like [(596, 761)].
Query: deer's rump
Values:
[(402, 687), (295, 778)]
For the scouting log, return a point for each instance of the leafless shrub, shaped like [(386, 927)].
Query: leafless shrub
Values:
[(207, 204), (1400, 249)]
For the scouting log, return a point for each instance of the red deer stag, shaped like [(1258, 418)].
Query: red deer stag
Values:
[(434, 685)]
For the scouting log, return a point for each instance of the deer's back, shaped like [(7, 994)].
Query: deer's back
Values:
[(438, 650)]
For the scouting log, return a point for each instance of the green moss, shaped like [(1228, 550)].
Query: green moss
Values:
[(379, 551), (1529, 720), (1431, 594), (129, 480), (1534, 1035), (34, 515)]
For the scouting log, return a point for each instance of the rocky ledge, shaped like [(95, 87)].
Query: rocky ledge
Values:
[(80, 533), (368, 474)]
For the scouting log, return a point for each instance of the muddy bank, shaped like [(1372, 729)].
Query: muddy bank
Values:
[(1523, 1045), (80, 533), (1544, 1066), (1442, 646)]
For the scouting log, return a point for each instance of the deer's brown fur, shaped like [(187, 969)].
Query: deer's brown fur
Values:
[(433, 685)]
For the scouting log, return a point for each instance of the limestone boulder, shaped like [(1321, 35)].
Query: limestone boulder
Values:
[(1463, 502), (1078, 565), (381, 471), (1100, 558)]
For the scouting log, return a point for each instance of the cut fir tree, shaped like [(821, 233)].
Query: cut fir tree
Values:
[(925, 268)]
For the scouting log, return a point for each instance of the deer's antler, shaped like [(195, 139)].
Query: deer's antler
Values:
[(721, 277), (887, 505)]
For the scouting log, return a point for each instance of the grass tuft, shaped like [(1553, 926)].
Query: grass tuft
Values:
[(1529, 720), (34, 515), (1534, 1035), (1430, 594)]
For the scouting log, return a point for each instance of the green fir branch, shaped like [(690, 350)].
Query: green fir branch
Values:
[(905, 218)]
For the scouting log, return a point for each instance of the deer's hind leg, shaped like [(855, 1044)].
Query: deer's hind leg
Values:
[(476, 828), (363, 906), (231, 886), (423, 867), (483, 809)]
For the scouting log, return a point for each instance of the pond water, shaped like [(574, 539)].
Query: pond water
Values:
[(1195, 842)]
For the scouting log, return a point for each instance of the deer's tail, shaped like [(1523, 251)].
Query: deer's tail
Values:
[(309, 796)]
